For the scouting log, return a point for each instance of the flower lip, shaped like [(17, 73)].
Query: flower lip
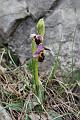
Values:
[(41, 57)]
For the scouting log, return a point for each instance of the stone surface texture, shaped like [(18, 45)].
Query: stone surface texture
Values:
[(62, 20), (10, 11), (3, 114)]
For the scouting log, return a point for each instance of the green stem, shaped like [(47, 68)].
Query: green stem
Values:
[(36, 81)]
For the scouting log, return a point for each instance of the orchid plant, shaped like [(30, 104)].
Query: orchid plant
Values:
[(38, 56)]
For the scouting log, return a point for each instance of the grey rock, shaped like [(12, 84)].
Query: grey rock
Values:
[(20, 41), (10, 11), (62, 20), (60, 26), (39, 7), (4, 115), (61, 29)]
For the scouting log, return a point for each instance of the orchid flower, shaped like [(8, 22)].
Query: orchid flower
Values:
[(39, 53), (38, 38)]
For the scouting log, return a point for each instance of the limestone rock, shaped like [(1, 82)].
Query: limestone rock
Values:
[(39, 7), (20, 41), (10, 11), (62, 26), (4, 115)]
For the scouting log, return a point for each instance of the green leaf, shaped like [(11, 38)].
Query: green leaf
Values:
[(14, 106), (76, 75), (54, 115), (41, 27), (27, 117)]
